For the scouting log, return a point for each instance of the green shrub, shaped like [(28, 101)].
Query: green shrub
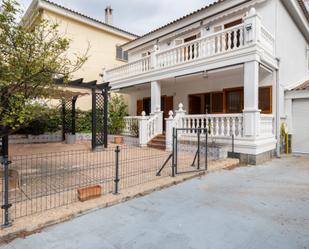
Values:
[(116, 112)]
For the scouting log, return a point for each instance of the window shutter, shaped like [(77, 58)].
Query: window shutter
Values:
[(119, 52), (125, 55), (265, 99)]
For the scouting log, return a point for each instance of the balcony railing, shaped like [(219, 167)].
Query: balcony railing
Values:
[(219, 43)]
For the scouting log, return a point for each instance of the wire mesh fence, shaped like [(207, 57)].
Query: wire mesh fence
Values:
[(40, 182), (45, 181)]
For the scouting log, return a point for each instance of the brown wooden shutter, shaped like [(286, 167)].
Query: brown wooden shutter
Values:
[(265, 99), (139, 107), (217, 102), (169, 105)]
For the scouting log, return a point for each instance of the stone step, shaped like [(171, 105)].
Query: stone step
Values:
[(158, 142), (156, 146)]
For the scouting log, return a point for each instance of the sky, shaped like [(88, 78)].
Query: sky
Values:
[(136, 16)]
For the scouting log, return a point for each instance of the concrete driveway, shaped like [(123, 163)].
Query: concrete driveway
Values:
[(264, 206)]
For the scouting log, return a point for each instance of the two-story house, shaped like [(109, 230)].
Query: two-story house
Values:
[(227, 67), (101, 39)]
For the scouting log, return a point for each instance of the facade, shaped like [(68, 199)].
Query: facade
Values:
[(101, 39), (226, 67)]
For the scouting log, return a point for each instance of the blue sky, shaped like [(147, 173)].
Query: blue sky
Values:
[(136, 16)]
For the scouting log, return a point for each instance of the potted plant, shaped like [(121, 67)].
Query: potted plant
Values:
[(117, 112)]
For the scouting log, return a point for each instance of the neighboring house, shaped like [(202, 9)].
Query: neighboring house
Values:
[(102, 38), (233, 60)]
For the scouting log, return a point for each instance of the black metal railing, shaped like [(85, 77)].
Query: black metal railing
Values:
[(37, 183)]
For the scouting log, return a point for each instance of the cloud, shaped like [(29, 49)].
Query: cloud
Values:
[(136, 16)]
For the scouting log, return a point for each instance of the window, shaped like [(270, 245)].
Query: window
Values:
[(217, 102), (265, 99), (120, 54), (234, 100)]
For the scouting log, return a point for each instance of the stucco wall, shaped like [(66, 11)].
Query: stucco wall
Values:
[(182, 87), (102, 50)]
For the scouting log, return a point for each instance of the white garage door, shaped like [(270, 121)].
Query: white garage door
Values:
[(300, 139)]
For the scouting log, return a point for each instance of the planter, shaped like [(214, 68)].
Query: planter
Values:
[(70, 139), (118, 139), (89, 193)]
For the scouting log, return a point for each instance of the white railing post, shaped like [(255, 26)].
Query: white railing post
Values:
[(159, 120), (180, 113), (169, 131), (252, 23), (143, 139), (153, 57)]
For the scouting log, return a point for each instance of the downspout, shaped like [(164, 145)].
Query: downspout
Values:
[(277, 110), (277, 88)]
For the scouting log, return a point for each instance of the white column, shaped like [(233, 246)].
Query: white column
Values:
[(169, 131), (155, 96), (159, 125), (143, 132), (251, 110)]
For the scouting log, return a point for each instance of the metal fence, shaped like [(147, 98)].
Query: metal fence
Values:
[(36, 183)]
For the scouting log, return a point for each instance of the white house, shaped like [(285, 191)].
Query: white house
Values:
[(228, 67)]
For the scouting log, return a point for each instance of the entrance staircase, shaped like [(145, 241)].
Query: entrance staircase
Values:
[(157, 142)]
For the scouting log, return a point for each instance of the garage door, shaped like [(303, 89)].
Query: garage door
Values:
[(300, 139)]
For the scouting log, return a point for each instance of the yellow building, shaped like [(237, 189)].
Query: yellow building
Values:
[(101, 39)]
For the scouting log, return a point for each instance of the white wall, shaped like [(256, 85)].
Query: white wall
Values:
[(182, 87)]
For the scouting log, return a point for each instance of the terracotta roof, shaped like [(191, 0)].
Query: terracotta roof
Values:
[(303, 86), (90, 18), (305, 10)]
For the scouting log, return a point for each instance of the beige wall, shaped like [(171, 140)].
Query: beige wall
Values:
[(102, 49)]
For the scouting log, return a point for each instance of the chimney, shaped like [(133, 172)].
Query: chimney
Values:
[(109, 15)]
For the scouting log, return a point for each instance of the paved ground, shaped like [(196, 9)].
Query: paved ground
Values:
[(258, 207)]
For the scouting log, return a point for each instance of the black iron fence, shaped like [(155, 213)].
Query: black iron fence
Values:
[(36, 183)]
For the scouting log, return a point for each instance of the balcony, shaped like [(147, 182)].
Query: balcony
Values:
[(228, 46)]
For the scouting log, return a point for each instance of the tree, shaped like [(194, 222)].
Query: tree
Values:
[(31, 58)]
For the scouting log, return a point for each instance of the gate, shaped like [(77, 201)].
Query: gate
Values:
[(99, 115), (189, 151)]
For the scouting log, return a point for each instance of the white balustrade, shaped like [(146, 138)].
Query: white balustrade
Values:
[(225, 41), (133, 68), (131, 126), (267, 125), (150, 127), (220, 42), (218, 125)]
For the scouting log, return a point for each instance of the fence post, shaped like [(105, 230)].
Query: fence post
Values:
[(174, 161), (117, 151), (94, 119), (5, 162)]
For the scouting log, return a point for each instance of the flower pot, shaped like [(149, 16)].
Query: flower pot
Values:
[(118, 139), (89, 193), (70, 139)]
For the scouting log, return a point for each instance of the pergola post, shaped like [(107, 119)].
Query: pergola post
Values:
[(74, 99)]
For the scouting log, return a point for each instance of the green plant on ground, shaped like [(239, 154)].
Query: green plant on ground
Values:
[(116, 112)]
